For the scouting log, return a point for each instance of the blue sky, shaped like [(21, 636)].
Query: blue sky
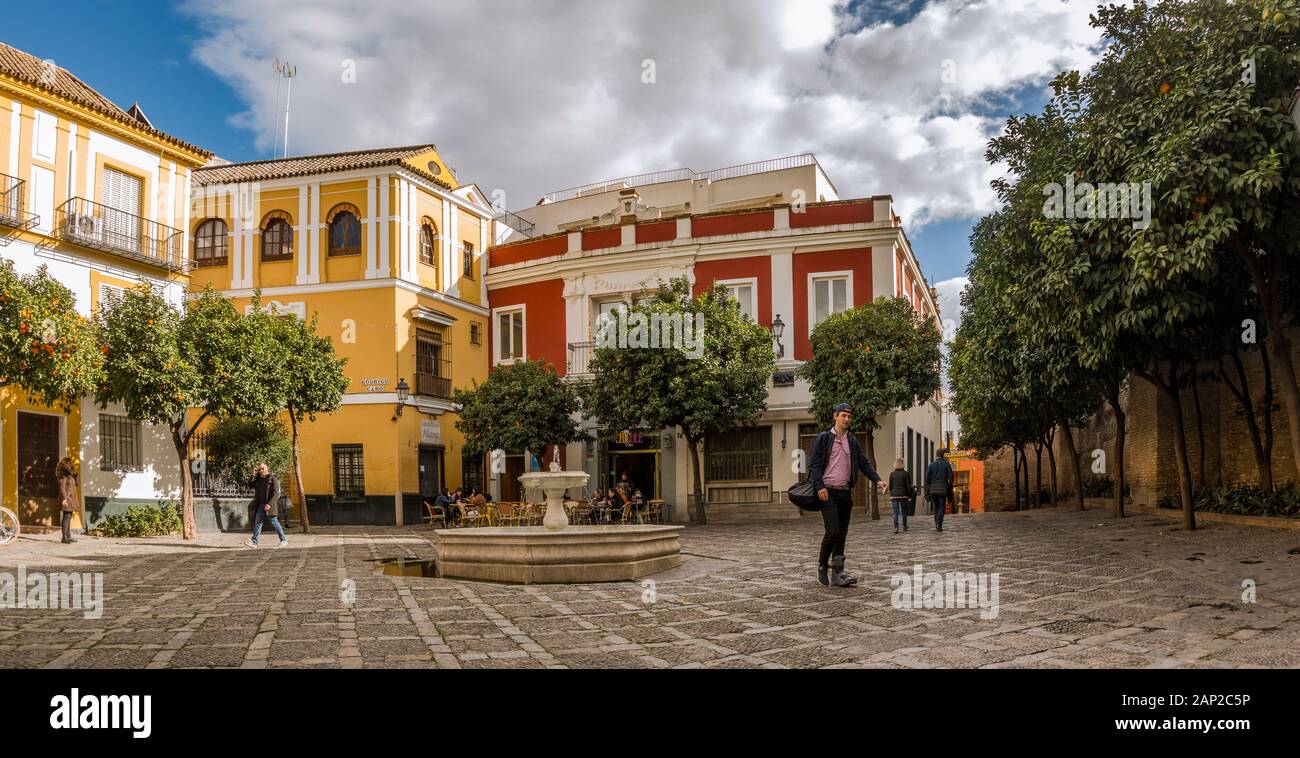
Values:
[(856, 83)]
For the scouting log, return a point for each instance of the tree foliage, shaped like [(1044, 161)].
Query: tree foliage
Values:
[(718, 388), (235, 446), (520, 406), (46, 348), (160, 362)]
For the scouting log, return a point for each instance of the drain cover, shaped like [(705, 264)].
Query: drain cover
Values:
[(409, 567)]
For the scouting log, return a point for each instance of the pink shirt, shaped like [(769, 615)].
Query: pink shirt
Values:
[(838, 466)]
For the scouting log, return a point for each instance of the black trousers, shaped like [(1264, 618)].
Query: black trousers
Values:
[(835, 517), (67, 526), (940, 507)]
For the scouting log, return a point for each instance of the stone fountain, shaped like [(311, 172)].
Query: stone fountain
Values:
[(556, 552)]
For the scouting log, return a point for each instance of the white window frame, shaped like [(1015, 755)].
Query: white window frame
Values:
[(752, 283), (813, 278), (522, 310), (596, 304)]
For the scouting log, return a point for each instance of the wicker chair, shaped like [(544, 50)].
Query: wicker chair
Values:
[(435, 513)]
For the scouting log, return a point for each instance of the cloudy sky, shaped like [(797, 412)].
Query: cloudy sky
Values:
[(528, 96)]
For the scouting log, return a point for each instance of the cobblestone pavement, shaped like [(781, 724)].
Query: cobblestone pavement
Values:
[(1075, 590)]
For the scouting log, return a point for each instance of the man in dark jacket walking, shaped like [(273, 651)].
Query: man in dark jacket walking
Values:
[(938, 485), (266, 492), (836, 458)]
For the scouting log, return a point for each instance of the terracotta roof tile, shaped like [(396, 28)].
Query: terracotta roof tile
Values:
[(29, 69), (306, 165)]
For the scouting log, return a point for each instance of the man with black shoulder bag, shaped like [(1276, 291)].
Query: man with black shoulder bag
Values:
[(836, 458)]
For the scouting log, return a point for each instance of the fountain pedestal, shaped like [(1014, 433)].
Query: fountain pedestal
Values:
[(557, 553)]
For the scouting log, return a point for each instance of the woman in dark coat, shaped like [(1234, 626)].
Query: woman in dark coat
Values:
[(66, 475), (901, 492)]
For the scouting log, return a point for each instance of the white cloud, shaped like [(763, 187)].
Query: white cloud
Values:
[(539, 95)]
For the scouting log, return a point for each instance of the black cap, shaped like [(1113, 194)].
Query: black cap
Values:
[(843, 407)]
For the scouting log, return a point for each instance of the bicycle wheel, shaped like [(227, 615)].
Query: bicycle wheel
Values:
[(9, 527)]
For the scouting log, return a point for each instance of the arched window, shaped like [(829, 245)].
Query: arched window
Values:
[(277, 237), (210, 241), (345, 230), (428, 252)]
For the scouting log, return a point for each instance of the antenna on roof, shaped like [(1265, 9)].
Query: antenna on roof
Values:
[(285, 73)]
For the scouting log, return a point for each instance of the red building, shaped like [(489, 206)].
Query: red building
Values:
[(777, 236)]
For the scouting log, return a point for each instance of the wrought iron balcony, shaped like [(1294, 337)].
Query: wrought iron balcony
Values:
[(434, 380), (101, 227), (580, 355), (11, 205)]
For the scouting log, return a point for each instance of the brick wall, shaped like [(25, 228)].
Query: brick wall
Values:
[(1151, 469)]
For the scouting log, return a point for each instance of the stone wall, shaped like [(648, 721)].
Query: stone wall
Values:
[(1224, 458)]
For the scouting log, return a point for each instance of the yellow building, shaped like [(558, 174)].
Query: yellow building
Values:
[(386, 248), (100, 197)]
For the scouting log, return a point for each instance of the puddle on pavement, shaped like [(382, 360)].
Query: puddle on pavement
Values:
[(409, 567)]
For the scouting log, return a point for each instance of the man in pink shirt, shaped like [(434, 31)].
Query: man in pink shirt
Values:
[(835, 461)]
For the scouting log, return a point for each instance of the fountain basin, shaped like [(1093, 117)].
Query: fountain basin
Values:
[(575, 555)]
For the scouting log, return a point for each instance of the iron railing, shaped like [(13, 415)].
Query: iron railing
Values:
[(433, 378), (580, 355), (679, 174), (516, 222), (95, 225), (204, 482), (11, 204)]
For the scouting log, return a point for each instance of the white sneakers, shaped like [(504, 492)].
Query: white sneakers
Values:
[(249, 543)]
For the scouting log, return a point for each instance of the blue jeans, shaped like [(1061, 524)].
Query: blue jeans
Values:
[(261, 516), (900, 507)]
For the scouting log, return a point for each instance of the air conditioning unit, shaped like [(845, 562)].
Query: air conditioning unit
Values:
[(84, 226)]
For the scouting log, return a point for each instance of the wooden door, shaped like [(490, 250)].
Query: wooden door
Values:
[(38, 454)]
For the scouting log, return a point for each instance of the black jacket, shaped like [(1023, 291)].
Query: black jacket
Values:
[(938, 478), (266, 491), (821, 455), (900, 484)]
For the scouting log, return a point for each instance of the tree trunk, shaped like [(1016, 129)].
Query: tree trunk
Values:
[(189, 529), (696, 510), (1038, 474), (1051, 463), (872, 495), (1015, 472), (1184, 465), (1169, 388), (1078, 467), (1200, 430), (1263, 462), (1024, 474), (1112, 397), (297, 476), (1278, 344), (1267, 410)]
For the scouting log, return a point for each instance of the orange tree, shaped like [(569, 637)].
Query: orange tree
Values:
[(161, 361), (46, 348)]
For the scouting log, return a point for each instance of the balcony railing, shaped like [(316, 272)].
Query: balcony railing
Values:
[(11, 204), (580, 354), (518, 223), (679, 174), (435, 382), (95, 225)]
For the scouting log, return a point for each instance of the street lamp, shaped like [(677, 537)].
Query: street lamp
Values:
[(403, 392), (778, 329)]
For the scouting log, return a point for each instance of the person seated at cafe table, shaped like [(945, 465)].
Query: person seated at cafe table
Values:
[(601, 506), (638, 504)]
